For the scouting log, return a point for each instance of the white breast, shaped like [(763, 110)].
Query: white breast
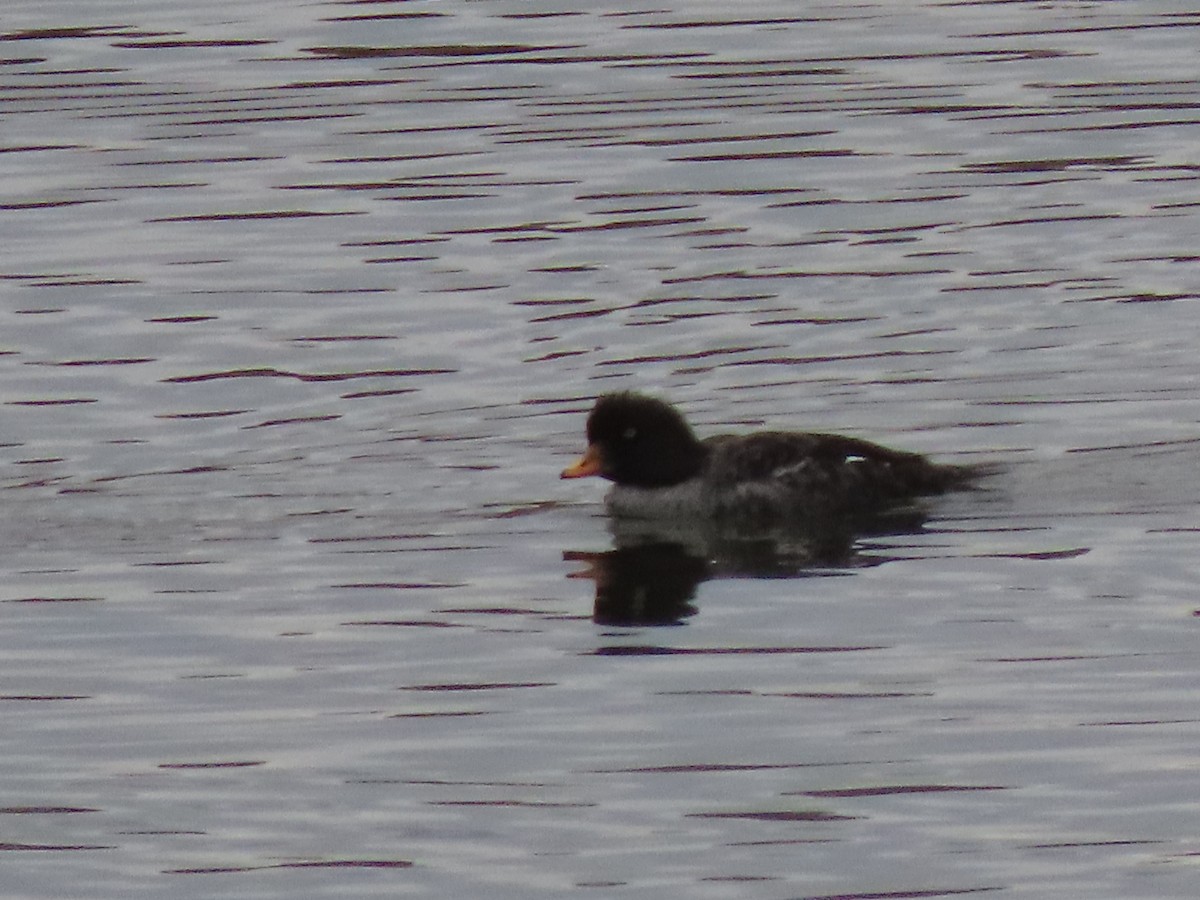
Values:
[(680, 501)]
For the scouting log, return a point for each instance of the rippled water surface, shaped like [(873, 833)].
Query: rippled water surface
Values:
[(301, 310)]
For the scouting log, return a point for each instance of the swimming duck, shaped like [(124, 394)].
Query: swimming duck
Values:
[(660, 469)]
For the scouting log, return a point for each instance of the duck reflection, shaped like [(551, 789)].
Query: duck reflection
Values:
[(651, 574), (646, 584)]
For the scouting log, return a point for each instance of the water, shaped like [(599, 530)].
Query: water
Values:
[(303, 306)]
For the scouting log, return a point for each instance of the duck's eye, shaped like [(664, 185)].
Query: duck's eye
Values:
[(629, 433)]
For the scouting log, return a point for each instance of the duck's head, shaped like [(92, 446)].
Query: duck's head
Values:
[(638, 441)]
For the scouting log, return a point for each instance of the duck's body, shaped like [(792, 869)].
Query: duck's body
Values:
[(661, 470)]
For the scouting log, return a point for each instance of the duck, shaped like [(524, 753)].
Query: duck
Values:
[(660, 469)]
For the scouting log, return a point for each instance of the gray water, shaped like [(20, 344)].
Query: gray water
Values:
[(302, 309)]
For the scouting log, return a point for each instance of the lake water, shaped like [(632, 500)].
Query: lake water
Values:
[(302, 309)]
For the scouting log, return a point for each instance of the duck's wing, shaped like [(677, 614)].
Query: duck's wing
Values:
[(826, 469)]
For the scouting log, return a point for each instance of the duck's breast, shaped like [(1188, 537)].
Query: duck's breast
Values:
[(684, 500)]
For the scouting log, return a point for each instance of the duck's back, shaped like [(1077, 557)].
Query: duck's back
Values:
[(793, 473)]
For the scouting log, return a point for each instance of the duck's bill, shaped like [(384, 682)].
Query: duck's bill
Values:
[(588, 464)]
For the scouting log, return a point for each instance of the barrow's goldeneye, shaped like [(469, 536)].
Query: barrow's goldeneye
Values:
[(660, 469)]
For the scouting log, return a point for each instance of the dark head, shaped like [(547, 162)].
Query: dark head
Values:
[(639, 441)]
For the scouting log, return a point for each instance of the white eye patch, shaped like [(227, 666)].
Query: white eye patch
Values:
[(856, 459)]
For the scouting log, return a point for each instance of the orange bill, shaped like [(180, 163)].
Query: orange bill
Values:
[(588, 464)]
